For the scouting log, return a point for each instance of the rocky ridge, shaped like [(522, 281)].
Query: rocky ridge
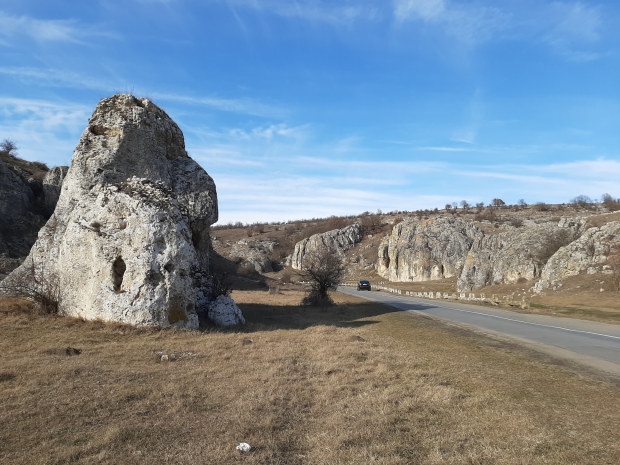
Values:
[(547, 250)]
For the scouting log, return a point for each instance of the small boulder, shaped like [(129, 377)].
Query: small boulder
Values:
[(224, 312)]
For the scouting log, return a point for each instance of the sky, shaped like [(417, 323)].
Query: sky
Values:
[(304, 109)]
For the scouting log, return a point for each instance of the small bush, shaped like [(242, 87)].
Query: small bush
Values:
[(315, 298)]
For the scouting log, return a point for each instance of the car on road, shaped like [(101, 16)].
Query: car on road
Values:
[(363, 285)]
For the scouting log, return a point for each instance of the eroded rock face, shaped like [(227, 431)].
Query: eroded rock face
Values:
[(339, 240), (19, 222), (254, 254), (128, 240), (515, 254), (426, 250), (52, 183), (451, 247)]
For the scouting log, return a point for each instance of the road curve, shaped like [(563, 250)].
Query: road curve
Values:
[(595, 345)]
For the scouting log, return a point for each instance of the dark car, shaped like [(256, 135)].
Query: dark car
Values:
[(363, 285)]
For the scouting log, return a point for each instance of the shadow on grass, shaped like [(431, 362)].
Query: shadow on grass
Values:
[(261, 317)]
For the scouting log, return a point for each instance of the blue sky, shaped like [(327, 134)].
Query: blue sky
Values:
[(312, 108)]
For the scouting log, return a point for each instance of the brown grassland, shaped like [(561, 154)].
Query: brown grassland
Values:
[(356, 383)]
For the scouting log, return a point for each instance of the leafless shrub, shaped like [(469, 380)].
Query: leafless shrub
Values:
[(34, 283), (324, 269), (582, 201), (220, 285), (541, 207), (551, 244), (488, 214)]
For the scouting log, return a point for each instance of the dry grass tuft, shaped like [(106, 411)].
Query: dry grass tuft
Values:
[(354, 384)]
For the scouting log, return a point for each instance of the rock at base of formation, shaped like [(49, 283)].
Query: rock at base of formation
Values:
[(338, 240), (224, 312), (129, 238)]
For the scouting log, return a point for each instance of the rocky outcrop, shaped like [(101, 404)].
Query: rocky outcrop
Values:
[(426, 250), (338, 240), (25, 204), (129, 238), (587, 254), (19, 221), (476, 254), (515, 254)]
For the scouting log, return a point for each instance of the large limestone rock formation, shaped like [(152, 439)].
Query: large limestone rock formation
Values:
[(426, 250), (338, 240), (128, 240), (480, 254)]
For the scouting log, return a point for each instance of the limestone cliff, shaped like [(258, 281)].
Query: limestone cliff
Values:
[(481, 254)]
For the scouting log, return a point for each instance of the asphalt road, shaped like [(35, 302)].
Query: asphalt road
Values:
[(595, 345)]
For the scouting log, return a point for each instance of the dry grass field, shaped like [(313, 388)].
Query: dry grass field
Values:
[(356, 383)]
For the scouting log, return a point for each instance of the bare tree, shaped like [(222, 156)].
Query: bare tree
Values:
[(610, 203), (8, 146), (324, 268), (582, 201)]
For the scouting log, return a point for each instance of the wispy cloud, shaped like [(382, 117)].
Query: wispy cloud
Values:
[(77, 80), (15, 30), (339, 13), (428, 10), (242, 106), (56, 78), (43, 129), (470, 24), (574, 30)]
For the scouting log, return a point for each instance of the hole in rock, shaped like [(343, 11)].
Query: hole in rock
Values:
[(118, 271)]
